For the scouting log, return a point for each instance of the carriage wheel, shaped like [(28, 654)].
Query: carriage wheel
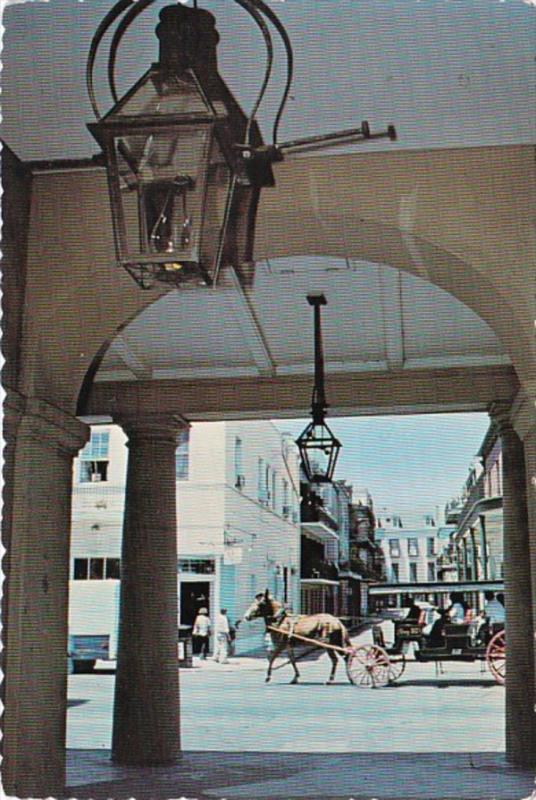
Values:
[(397, 667), (496, 657), (368, 666)]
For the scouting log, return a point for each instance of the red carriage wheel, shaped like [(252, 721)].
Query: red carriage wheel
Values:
[(496, 657), (368, 666), (396, 667)]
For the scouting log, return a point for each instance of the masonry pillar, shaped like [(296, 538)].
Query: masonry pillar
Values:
[(146, 725), (524, 419), (520, 689), (40, 473)]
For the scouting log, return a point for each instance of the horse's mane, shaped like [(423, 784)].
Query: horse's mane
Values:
[(275, 605)]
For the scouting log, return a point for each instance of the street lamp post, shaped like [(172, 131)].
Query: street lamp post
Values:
[(319, 448)]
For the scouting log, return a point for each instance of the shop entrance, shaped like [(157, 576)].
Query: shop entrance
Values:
[(193, 596)]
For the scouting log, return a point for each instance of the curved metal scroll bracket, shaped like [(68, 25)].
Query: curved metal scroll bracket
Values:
[(257, 9)]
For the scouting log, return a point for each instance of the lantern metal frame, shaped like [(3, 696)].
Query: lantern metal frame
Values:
[(317, 437), (188, 42)]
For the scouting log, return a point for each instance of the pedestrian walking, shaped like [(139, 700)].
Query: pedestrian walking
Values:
[(201, 632), (222, 629)]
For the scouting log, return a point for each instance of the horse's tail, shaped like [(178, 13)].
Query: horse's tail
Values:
[(341, 638)]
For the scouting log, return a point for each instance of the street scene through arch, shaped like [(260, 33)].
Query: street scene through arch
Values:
[(159, 272)]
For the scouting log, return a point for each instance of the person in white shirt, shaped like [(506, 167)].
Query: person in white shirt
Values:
[(223, 629), (201, 631), (493, 609), (456, 611)]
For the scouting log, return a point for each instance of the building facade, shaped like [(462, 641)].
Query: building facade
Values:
[(478, 538), (411, 548), (237, 517)]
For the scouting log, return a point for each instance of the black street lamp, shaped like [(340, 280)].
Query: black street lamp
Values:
[(185, 164), (319, 448)]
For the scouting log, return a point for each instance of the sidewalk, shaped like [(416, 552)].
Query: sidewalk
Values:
[(302, 776)]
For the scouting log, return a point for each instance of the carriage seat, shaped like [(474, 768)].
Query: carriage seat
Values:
[(457, 635)]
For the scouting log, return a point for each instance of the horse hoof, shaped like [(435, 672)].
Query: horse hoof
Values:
[(267, 680), (294, 681), (330, 682)]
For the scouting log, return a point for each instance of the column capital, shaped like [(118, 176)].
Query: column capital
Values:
[(52, 426), (151, 426), (524, 414)]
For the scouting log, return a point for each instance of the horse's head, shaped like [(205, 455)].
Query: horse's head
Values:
[(263, 606)]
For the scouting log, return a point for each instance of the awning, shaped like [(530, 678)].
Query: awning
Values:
[(437, 588), (318, 582)]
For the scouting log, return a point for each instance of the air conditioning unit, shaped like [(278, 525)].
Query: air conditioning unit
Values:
[(95, 477), (240, 482)]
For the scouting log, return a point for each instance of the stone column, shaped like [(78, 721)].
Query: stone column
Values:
[(37, 595), (146, 725), (520, 689), (524, 419)]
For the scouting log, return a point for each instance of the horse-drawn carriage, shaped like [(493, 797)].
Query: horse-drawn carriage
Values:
[(456, 642), (377, 664), (366, 665)]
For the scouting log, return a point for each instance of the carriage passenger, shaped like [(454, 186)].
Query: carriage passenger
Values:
[(457, 609)]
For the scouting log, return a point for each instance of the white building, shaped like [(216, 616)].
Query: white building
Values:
[(238, 516), (410, 547)]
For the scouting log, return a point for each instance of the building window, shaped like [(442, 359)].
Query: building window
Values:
[(394, 548), (94, 458), (413, 547), (267, 484), (430, 546), (274, 489), (431, 571), (182, 455), (412, 572), (261, 496), (97, 447), (199, 566), (96, 569), (93, 471), (80, 572), (286, 505), (395, 573), (240, 481), (113, 568)]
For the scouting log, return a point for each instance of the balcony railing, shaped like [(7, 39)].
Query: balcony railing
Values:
[(315, 513), (319, 569)]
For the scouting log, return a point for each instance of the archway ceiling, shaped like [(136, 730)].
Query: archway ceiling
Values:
[(446, 74), (377, 319)]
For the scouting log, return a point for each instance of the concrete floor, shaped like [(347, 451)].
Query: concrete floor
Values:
[(428, 738)]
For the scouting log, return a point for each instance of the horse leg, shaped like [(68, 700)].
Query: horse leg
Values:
[(334, 664), (292, 660), (278, 648)]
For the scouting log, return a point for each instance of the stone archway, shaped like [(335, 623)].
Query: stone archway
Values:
[(386, 208)]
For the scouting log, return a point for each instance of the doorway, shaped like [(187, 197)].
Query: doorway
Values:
[(194, 595)]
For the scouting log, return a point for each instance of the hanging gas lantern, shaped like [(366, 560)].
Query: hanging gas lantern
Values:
[(185, 164), (319, 448)]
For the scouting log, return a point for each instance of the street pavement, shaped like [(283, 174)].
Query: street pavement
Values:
[(429, 737)]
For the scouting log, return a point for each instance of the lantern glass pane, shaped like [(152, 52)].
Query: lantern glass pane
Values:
[(218, 184), (319, 450), (162, 178), (160, 94)]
